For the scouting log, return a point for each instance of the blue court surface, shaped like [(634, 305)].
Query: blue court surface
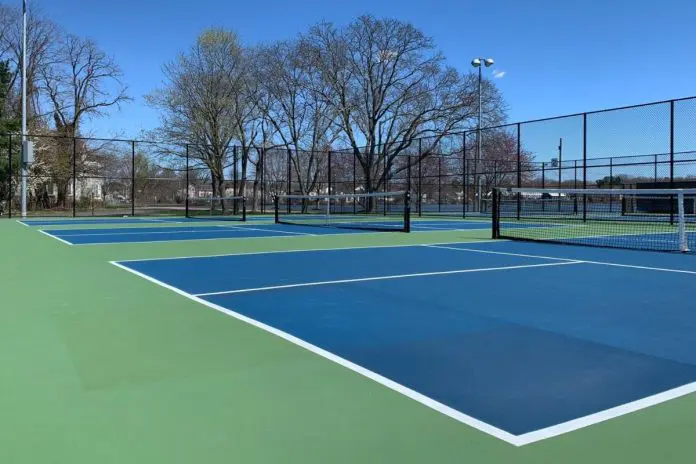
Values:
[(227, 231), (122, 220), (95, 221), (522, 341)]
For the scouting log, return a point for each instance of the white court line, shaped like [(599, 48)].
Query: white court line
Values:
[(607, 414), (262, 230), (146, 220), (412, 394), (301, 250), (601, 263), (522, 255), (634, 234), (149, 232), (274, 237), (222, 229), (416, 226), (19, 221), (389, 277), (53, 236)]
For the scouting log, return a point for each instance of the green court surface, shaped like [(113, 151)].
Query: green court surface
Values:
[(100, 366)]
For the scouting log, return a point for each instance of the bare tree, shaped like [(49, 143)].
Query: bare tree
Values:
[(80, 82), (499, 163), (42, 37), (390, 87), (249, 122), (201, 101), (303, 120)]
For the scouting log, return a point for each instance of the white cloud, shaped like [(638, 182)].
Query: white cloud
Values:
[(498, 74)]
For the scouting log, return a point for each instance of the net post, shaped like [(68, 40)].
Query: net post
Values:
[(494, 214), (683, 241), (244, 210), (407, 211)]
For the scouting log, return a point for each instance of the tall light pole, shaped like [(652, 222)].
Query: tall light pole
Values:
[(476, 63), (24, 159)]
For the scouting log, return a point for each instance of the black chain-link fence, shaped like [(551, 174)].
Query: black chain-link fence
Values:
[(651, 145)]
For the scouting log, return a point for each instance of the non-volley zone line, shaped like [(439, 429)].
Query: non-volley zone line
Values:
[(101, 221), (170, 234), (222, 229), (388, 277), (585, 261)]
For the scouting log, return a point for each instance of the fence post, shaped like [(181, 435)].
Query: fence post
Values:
[(611, 183), (543, 183), (655, 170), (74, 182), (494, 214), (464, 177), (329, 185), (10, 190), (234, 176), (355, 185), (439, 183), (289, 185), (262, 193), (575, 174), (133, 177), (519, 170), (584, 165), (186, 201), (420, 177), (671, 159), (560, 164), (384, 183)]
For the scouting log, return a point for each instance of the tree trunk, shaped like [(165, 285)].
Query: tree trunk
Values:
[(62, 194)]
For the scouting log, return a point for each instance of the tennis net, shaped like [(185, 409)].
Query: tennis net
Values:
[(217, 208), (642, 219), (388, 212)]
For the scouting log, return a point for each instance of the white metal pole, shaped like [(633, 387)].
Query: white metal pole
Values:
[(24, 110)]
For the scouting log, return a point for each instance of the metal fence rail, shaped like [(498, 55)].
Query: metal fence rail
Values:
[(652, 144)]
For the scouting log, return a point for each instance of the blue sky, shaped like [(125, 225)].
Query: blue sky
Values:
[(558, 57)]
